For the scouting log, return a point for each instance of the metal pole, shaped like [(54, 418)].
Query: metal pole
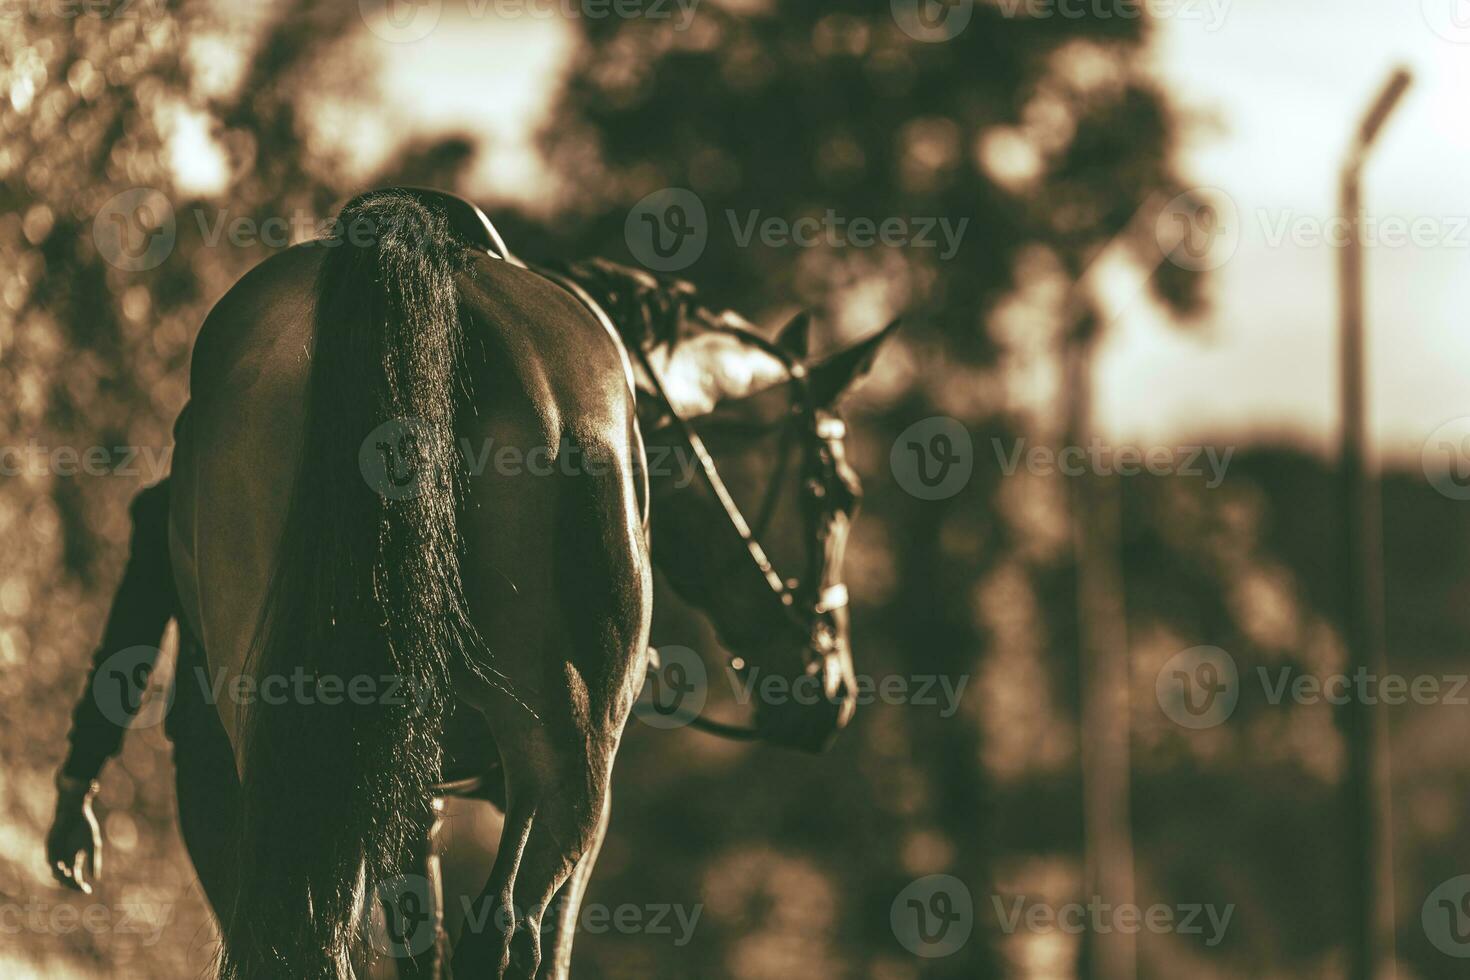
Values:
[(1371, 929)]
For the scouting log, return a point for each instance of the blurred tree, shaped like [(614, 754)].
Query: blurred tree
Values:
[(1044, 133)]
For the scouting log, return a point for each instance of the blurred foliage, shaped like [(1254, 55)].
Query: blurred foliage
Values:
[(1047, 136)]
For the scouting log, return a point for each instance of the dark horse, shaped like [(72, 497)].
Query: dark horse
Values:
[(327, 520)]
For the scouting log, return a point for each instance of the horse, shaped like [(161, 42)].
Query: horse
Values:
[(325, 524)]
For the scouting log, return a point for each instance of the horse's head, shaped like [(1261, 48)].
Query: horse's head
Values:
[(759, 546)]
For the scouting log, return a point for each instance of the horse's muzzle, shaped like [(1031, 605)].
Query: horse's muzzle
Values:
[(808, 714)]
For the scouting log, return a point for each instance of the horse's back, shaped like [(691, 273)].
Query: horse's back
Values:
[(545, 377)]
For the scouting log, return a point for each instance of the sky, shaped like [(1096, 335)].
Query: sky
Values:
[(1282, 85), (1274, 89), (493, 79)]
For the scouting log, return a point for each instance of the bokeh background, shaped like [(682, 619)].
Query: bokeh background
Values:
[(1048, 128)]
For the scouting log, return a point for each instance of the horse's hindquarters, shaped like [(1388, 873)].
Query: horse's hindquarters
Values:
[(237, 445)]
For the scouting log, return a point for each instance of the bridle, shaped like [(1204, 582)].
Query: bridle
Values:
[(807, 602)]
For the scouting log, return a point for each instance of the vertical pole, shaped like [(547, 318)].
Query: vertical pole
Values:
[(1103, 661), (1369, 857), (1103, 668)]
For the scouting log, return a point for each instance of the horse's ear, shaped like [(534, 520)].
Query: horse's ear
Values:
[(796, 335), (831, 377)]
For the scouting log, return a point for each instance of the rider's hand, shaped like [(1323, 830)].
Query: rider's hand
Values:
[(74, 845)]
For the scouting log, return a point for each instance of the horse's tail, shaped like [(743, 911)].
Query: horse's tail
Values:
[(366, 591)]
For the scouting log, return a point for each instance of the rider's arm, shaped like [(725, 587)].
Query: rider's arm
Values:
[(141, 609)]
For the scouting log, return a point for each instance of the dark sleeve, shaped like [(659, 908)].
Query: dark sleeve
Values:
[(141, 609)]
